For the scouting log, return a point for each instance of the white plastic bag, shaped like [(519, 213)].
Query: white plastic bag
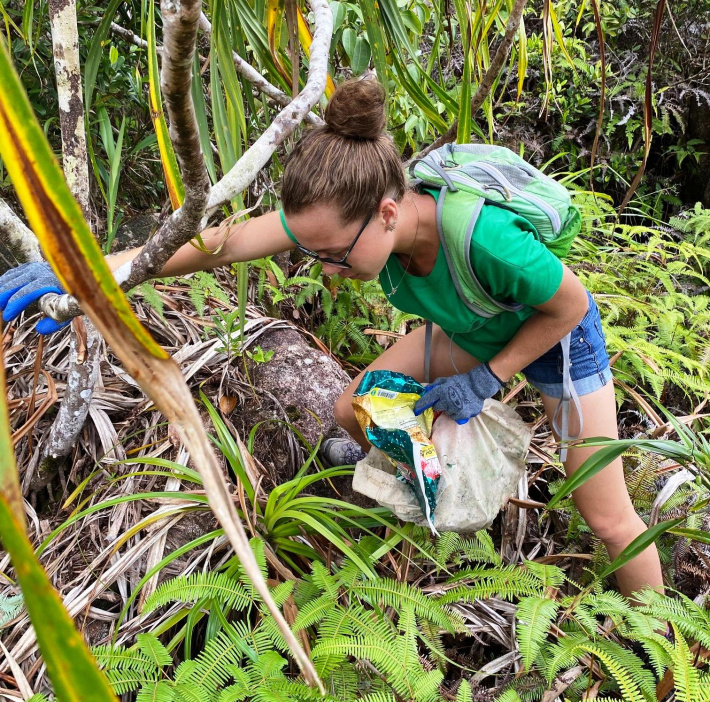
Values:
[(482, 462)]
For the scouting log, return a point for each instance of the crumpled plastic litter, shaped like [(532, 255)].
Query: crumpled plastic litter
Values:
[(384, 407), (481, 462)]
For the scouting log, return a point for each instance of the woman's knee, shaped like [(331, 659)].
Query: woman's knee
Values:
[(343, 410), (617, 529)]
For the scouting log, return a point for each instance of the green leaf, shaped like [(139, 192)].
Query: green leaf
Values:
[(639, 544), (599, 460), (349, 40), (694, 534), (361, 56)]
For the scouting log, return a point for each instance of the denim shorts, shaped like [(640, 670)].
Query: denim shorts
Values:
[(589, 360)]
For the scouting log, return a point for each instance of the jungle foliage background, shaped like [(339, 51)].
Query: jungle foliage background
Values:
[(526, 610)]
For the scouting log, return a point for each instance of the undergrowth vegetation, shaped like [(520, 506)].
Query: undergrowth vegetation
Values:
[(388, 613)]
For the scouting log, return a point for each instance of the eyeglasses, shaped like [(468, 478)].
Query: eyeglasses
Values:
[(341, 262)]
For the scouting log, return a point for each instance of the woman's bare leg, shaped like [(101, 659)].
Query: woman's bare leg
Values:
[(603, 500), (406, 356)]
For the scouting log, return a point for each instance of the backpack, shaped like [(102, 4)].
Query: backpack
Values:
[(470, 176)]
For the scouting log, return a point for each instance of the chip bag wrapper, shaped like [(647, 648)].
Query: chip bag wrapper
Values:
[(384, 406)]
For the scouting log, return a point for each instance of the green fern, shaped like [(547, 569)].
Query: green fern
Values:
[(203, 285), (534, 615), (220, 587), (152, 297), (10, 607), (153, 650), (161, 691)]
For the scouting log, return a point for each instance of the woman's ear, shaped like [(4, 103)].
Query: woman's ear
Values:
[(388, 213)]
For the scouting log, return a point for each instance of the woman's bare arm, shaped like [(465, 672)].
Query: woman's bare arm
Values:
[(243, 241)]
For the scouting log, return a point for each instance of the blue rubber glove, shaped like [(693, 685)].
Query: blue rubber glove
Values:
[(21, 286), (460, 396)]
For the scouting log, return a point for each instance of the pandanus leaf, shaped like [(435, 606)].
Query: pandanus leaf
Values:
[(76, 258)]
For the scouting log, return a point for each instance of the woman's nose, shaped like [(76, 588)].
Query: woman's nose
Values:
[(330, 269)]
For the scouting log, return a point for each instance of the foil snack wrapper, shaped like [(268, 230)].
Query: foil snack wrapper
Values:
[(384, 406)]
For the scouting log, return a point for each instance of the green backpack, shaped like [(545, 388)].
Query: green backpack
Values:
[(470, 176)]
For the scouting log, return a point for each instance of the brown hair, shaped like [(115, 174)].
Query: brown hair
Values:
[(350, 161)]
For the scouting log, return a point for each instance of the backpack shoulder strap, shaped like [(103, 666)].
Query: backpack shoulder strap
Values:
[(456, 218)]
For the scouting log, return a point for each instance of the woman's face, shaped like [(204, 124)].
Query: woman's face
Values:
[(320, 229)]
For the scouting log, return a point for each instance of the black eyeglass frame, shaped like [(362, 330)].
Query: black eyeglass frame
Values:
[(341, 262)]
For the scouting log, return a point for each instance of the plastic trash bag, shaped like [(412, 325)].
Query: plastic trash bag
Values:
[(384, 407), (481, 464)]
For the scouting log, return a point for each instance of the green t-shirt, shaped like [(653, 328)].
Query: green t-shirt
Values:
[(511, 264)]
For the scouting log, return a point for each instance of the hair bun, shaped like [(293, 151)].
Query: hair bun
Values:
[(357, 109)]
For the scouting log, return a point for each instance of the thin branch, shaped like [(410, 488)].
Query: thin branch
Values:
[(255, 78), (246, 168), (484, 88), (130, 37)]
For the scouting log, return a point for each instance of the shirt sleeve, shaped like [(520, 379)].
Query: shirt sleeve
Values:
[(509, 261)]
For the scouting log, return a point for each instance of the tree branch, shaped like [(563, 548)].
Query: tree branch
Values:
[(245, 169), (256, 79), (484, 88), (22, 242), (180, 22)]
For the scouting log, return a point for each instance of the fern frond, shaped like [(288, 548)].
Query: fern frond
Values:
[(534, 615), (625, 667), (379, 697), (220, 587), (398, 595), (186, 692), (10, 607), (563, 654), (609, 604), (312, 612), (213, 664), (505, 581), (686, 676), (119, 658), (153, 650), (161, 691), (508, 696), (550, 576), (123, 681)]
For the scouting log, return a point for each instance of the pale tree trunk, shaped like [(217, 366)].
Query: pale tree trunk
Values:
[(20, 240), (85, 344)]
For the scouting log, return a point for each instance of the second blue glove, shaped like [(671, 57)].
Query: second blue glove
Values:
[(460, 396), (21, 286)]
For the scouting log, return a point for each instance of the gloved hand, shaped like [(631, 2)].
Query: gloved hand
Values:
[(21, 286), (460, 396)]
